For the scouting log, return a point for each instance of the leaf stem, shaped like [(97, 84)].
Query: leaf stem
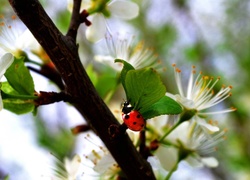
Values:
[(169, 131)]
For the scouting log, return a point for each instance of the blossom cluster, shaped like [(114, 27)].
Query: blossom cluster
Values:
[(190, 136)]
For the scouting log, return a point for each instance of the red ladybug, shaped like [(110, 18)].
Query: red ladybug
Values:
[(132, 118), (127, 107)]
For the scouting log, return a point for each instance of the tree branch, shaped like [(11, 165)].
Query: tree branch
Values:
[(51, 97), (63, 52), (75, 19)]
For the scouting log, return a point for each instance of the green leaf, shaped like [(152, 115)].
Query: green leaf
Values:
[(6, 177), (7, 89), (126, 67), (14, 102), (19, 77), (144, 88), (165, 105), (19, 106), (106, 83)]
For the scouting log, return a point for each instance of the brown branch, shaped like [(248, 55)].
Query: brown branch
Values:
[(52, 97), (75, 19), (63, 52)]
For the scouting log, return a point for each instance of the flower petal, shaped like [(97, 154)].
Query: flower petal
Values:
[(180, 134), (194, 161), (210, 161), (206, 125), (72, 166), (187, 103), (5, 62), (106, 162), (97, 29), (123, 9), (167, 156), (159, 171)]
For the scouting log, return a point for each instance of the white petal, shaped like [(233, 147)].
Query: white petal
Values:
[(70, 5), (167, 156), (189, 104), (180, 134), (73, 165), (104, 164), (171, 96), (206, 125), (194, 161), (123, 9), (96, 31), (159, 171), (5, 62), (26, 39), (210, 161)]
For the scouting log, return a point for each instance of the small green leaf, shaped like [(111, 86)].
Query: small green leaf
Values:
[(126, 67), (19, 106), (14, 102), (7, 89), (165, 105), (19, 77), (9, 92), (144, 88)]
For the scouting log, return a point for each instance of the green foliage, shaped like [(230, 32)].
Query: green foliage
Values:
[(126, 67), (18, 92), (196, 52), (19, 77), (144, 88), (14, 102), (63, 20), (6, 177), (146, 92), (104, 83), (92, 74), (165, 105), (59, 143)]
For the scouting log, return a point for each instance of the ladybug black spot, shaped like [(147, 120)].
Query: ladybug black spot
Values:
[(142, 125), (138, 116), (126, 116), (134, 123)]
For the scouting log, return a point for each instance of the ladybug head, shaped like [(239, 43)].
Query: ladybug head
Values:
[(127, 107)]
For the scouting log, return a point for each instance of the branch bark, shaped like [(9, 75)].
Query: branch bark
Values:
[(63, 52)]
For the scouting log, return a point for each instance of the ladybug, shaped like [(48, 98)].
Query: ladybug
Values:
[(127, 107), (132, 118)]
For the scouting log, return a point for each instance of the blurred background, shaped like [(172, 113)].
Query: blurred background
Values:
[(213, 35)]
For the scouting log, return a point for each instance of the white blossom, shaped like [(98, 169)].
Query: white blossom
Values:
[(159, 171), (67, 170), (122, 9), (102, 161), (200, 96), (124, 48), (14, 38), (191, 139)]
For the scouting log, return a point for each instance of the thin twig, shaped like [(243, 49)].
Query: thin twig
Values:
[(75, 20)]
